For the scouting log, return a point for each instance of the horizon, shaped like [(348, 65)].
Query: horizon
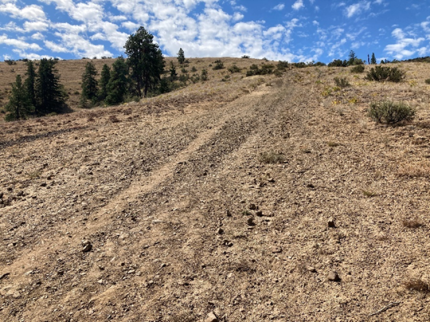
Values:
[(294, 31)]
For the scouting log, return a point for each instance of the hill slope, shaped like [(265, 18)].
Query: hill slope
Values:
[(169, 209)]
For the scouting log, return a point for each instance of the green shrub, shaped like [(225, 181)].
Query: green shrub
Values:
[(390, 113), (271, 157), (204, 76), (245, 57), (357, 69), (218, 65), (264, 70), (341, 82), (234, 69), (380, 73), (427, 81), (194, 69), (338, 63)]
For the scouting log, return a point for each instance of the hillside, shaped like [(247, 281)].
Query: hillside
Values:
[(249, 199)]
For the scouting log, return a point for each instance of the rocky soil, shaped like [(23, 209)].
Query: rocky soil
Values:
[(263, 200)]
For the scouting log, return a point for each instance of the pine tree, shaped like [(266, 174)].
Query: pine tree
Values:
[(181, 56), (103, 83), (89, 83), (19, 106), (30, 82), (50, 93), (145, 60), (373, 60), (172, 70), (118, 82)]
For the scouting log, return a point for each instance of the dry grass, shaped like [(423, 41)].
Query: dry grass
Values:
[(415, 170), (271, 157), (412, 223)]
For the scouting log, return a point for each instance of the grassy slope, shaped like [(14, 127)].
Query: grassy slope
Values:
[(163, 191)]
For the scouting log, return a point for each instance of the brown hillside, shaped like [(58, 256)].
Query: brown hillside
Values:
[(250, 199)]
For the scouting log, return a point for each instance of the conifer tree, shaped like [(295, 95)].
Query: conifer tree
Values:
[(145, 60), (181, 56), (30, 83), (373, 60), (50, 94), (172, 70), (89, 83), (118, 82), (103, 82), (19, 106)]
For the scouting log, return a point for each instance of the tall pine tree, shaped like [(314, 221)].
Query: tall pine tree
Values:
[(89, 84), (19, 106), (30, 83), (145, 60), (181, 56), (373, 60), (50, 94), (118, 82), (103, 83)]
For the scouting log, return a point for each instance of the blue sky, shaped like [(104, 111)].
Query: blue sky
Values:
[(293, 30)]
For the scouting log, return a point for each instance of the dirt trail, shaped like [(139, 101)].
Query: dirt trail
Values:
[(186, 217)]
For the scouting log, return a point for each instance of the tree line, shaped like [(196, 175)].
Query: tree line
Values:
[(140, 75)]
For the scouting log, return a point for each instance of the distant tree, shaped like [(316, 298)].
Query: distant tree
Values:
[(145, 60), (19, 105), (373, 60), (103, 83), (89, 83), (30, 82), (50, 94), (118, 82), (181, 56), (351, 57), (204, 75), (172, 70)]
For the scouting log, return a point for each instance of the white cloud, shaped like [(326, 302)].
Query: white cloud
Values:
[(279, 7), (357, 8), (298, 5), (19, 44), (400, 49), (32, 12)]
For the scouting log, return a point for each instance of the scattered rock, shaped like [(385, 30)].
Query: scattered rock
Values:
[(250, 221), (311, 269), (259, 213), (276, 249), (333, 276), (252, 207), (43, 184), (86, 246), (331, 223), (4, 275), (228, 213), (220, 231), (211, 318)]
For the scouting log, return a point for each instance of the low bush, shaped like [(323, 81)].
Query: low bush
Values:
[(234, 69), (218, 65), (245, 57), (390, 112), (271, 157), (264, 70), (427, 81), (380, 73), (341, 82), (358, 69)]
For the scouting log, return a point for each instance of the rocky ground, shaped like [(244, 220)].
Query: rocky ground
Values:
[(262, 199)]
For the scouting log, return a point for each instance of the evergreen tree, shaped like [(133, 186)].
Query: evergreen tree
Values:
[(89, 83), (181, 56), (145, 60), (172, 70), (373, 60), (103, 83), (50, 94), (118, 82), (19, 106), (30, 83)]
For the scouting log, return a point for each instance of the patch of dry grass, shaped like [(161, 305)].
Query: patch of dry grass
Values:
[(412, 223), (271, 157), (414, 170), (418, 285)]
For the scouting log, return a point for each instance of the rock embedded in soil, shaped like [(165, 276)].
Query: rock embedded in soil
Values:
[(333, 276), (253, 207), (86, 246), (211, 318), (250, 221), (331, 223)]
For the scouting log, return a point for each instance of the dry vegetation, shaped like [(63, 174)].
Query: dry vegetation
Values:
[(236, 199)]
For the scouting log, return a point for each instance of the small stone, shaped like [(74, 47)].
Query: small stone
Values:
[(276, 250), (250, 221), (228, 213), (253, 207), (86, 246), (43, 184), (259, 213), (331, 223), (333, 276), (220, 231), (311, 269), (211, 318)]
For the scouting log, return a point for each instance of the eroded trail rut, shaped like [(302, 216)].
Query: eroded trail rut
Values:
[(184, 218)]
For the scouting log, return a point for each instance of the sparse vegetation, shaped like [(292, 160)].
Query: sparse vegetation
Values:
[(358, 69), (271, 157), (390, 112), (218, 65), (341, 82), (417, 285), (411, 223), (381, 73), (234, 69), (427, 81)]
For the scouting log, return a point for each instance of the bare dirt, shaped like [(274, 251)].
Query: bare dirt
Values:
[(168, 210)]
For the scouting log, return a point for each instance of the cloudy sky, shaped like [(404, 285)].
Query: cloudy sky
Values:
[(293, 30)]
